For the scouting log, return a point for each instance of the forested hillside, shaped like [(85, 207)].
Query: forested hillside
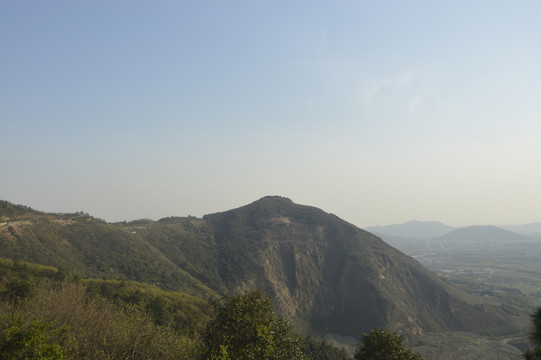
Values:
[(46, 313), (328, 277)]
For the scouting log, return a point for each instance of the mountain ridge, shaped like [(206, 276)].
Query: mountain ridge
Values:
[(481, 234), (327, 275), (341, 249), (413, 229)]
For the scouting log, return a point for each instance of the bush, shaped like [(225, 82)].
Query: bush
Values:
[(33, 340), (383, 344), (92, 328), (535, 337), (246, 327)]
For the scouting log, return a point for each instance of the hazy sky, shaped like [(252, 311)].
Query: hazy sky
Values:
[(377, 111)]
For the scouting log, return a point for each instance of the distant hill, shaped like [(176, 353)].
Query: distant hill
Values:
[(533, 229), (323, 273), (481, 235), (413, 229)]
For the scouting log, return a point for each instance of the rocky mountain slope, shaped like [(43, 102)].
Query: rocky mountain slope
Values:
[(333, 276), (325, 274)]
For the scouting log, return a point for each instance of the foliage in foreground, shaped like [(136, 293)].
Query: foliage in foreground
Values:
[(46, 313), (34, 340), (246, 327), (64, 322), (385, 344), (317, 349), (535, 337)]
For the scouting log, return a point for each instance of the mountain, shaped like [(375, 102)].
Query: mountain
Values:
[(481, 235), (333, 277), (533, 229), (413, 229), (324, 274)]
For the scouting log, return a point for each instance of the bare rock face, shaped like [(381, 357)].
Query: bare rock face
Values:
[(324, 274), (332, 277)]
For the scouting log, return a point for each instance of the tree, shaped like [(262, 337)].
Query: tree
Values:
[(384, 344), (317, 349), (246, 327), (535, 337), (30, 341), (64, 322)]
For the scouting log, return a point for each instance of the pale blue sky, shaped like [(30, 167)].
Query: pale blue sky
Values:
[(380, 112)]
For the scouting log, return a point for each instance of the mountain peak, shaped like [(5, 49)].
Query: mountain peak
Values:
[(274, 199), (271, 207), (334, 276)]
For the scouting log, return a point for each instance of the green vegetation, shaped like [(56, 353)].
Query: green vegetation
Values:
[(317, 349), (17, 278), (184, 313), (382, 344), (89, 247), (33, 340), (186, 242), (246, 327), (64, 321), (324, 275), (8, 210), (63, 317), (535, 337)]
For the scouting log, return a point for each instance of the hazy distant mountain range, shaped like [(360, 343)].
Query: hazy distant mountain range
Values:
[(433, 229), (413, 229), (481, 234), (533, 229)]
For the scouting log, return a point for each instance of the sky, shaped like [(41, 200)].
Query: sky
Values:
[(377, 111)]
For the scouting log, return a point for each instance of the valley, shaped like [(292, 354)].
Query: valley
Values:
[(490, 262), (485, 266)]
